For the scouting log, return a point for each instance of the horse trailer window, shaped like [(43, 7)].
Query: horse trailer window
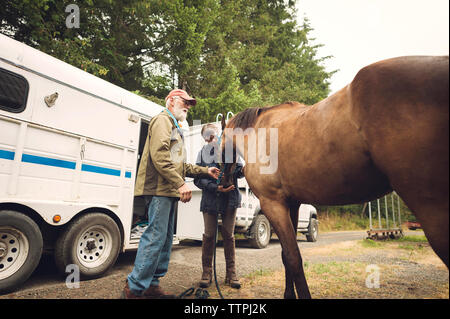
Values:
[(13, 91)]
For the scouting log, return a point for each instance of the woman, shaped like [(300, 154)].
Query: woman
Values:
[(217, 199)]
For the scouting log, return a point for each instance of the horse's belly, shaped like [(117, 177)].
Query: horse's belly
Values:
[(335, 184)]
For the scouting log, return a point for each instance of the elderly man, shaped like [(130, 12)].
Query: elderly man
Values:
[(160, 180)]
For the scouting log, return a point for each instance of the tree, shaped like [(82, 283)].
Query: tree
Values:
[(181, 28), (113, 40), (232, 98), (271, 53), (41, 24), (229, 54)]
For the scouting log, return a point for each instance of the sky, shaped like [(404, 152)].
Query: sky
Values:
[(360, 32)]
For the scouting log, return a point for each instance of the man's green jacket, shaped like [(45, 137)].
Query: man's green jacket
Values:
[(163, 166)]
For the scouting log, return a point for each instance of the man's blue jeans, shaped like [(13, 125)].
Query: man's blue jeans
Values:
[(155, 245)]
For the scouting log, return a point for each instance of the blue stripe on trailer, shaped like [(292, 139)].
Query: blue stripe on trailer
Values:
[(27, 158), (41, 160), (100, 170), (7, 155)]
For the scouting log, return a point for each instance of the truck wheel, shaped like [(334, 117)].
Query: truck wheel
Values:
[(20, 249), (260, 232), (313, 230), (91, 243)]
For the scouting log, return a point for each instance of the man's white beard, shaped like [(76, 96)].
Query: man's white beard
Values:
[(179, 114)]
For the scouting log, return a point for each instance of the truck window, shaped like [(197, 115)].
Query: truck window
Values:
[(13, 91)]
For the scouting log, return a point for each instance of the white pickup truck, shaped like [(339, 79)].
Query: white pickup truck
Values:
[(251, 221)]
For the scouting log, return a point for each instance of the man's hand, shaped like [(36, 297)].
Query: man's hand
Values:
[(225, 190), (185, 193), (214, 172)]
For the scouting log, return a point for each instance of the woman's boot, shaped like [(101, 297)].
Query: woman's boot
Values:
[(207, 255), (230, 278)]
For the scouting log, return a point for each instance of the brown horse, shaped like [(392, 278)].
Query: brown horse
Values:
[(387, 130)]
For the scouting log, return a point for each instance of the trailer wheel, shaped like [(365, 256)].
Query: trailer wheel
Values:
[(20, 249), (260, 232), (91, 243)]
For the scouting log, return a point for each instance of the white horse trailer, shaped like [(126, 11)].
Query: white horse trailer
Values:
[(70, 145)]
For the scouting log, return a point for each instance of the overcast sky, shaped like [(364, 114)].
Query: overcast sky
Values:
[(360, 32)]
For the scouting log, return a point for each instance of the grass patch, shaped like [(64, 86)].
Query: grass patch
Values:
[(405, 242), (410, 247), (331, 268), (331, 279), (369, 243), (258, 273), (342, 221), (414, 239)]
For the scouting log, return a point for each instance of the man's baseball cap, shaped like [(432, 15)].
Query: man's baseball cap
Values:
[(183, 94)]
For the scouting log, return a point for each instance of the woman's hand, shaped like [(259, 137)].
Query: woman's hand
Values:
[(225, 190)]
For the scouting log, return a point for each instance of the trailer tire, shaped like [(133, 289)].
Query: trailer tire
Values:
[(91, 243), (260, 232), (21, 247)]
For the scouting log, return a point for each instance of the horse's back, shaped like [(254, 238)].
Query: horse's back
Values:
[(417, 80)]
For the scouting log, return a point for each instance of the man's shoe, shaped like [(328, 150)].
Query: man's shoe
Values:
[(155, 292), (128, 294)]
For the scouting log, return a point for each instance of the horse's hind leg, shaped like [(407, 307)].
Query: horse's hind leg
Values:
[(279, 217), (436, 230), (289, 292), (435, 223)]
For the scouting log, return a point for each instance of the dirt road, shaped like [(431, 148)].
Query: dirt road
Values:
[(184, 269)]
